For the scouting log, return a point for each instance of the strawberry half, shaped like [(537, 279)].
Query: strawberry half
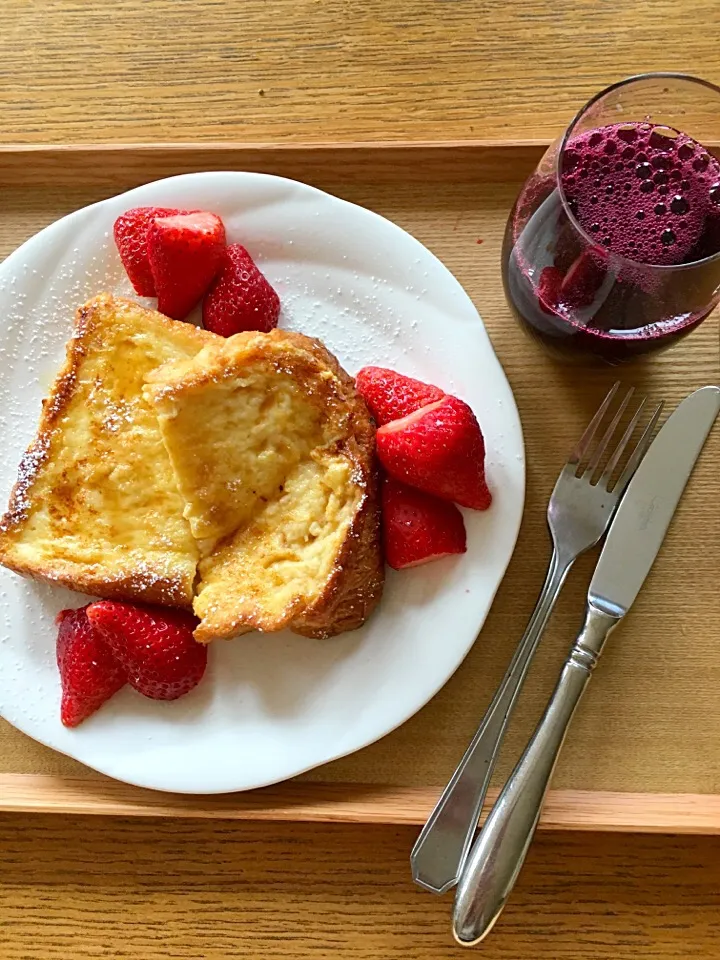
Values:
[(548, 290), (89, 673), (185, 252), (418, 527), (154, 645), (391, 395), (130, 232), (584, 279), (438, 449), (241, 298)]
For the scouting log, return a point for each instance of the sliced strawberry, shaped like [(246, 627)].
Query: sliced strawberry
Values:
[(438, 449), (240, 298), (548, 290), (418, 527), (583, 279), (391, 395), (185, 253), (89, 673), (154, 645), (130, 232)]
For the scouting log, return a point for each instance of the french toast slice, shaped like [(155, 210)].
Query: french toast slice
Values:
[(273, 451), (96, 505)]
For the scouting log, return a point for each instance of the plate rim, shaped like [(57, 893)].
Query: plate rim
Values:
[(7, 267)]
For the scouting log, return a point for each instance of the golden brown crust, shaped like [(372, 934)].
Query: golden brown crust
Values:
[(150, 585), (302, 357), (53, 408), (88, 319), (354, 586)]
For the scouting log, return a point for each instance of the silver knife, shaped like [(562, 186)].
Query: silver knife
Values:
[(633, 542)]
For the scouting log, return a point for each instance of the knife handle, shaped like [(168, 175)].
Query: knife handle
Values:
[(499, 853)]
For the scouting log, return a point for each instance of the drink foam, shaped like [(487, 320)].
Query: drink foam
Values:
[(649, 193)]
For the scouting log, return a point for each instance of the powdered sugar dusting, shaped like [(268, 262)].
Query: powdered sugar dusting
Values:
[(267, 710)]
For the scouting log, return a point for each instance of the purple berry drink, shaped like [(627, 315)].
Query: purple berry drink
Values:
[(613, 246), (649, 194)]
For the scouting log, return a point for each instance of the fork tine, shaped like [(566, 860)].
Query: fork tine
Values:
[(608, 435), (639, 451), (620, 449), (586, 439)]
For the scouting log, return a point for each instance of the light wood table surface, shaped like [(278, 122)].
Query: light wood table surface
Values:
[(321, 70), (75, 71)]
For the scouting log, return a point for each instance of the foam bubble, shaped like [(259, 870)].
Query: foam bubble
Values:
[(665, 163)]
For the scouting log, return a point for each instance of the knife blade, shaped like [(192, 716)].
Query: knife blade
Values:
[(644, 514), (633, 542)]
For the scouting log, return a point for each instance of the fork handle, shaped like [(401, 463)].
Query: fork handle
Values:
[(440, 851), (499, 853)]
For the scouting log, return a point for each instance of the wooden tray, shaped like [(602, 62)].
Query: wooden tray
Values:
[(644, 752)]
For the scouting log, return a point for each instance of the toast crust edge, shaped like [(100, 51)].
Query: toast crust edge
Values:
[(148, 586), (355, 584)]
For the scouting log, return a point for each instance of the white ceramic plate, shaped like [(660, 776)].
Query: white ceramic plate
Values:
[(271, 706)]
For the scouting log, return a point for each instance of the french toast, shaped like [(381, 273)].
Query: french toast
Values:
[(96, 506), (273, 452)]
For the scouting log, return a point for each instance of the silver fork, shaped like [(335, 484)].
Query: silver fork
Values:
[(579, 513)]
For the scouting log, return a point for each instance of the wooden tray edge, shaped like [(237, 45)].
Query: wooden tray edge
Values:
[(320, 146), (300, 801), (476, 160), (108, 164)]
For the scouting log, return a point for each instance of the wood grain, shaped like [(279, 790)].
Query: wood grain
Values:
[(112, 167), (651, 720), (305, 70), (311, 802), (79, 888), (74, 71)]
